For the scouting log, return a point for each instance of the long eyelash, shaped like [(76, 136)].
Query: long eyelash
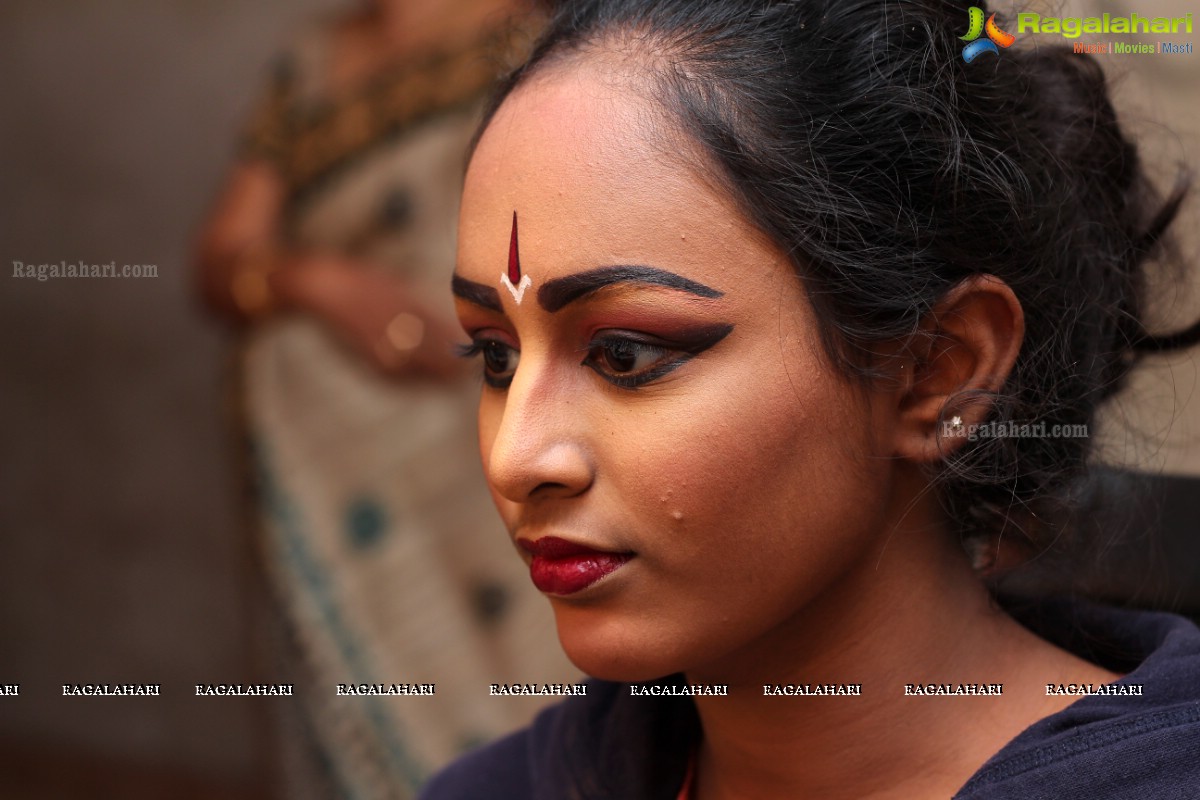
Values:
[(475, 348), (638, 344), (468, 350)]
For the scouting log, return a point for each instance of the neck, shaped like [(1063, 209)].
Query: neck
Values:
[(912, 612)]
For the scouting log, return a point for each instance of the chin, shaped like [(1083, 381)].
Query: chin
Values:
[(614, 650)]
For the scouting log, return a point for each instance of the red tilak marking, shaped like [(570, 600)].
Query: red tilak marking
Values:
[(514, 258)]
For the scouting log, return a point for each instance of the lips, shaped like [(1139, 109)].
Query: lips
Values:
[(562, 567)]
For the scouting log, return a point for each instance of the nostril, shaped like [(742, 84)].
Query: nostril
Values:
[(549, 487)]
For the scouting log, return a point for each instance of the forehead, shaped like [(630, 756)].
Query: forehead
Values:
[(595, 175), (577, 122)]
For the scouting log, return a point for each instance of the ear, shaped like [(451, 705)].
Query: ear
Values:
[(963, 353)]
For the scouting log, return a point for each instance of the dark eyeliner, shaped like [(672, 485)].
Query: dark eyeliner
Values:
[(497, 383), (688, 343)]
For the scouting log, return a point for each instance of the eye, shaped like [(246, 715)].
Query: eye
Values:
[(630, 362), (499, 360), (624, 355)]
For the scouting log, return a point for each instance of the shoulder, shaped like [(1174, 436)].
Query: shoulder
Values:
[(1136, 737), (501, 770), (514, 767), (605, 745)]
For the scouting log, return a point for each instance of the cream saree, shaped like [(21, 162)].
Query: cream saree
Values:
[(384, 553)]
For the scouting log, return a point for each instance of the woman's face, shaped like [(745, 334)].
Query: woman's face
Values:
[(671, 454)]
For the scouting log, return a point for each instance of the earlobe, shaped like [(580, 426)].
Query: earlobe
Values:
[(955, 365)]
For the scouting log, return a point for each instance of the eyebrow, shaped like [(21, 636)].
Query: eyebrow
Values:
[(555, 294), (477, 293), (560, 292)]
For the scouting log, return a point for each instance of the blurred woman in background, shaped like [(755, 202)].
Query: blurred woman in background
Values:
[(330, 247)]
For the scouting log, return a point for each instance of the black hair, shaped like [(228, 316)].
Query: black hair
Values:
[(854, 134)]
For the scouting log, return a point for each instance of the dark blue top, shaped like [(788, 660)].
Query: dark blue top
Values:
[(611, 746)]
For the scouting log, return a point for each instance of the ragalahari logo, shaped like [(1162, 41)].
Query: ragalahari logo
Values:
[(995, 36)]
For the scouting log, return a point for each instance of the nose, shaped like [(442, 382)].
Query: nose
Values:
[(539, 450)]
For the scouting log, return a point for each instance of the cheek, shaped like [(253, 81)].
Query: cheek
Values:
[(491, 413), (759, 492), (747, 499)]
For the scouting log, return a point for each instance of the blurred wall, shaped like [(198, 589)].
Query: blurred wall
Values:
[(1155, 424), (121, 560)]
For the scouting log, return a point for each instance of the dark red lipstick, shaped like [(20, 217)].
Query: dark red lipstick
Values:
[(562, 567)]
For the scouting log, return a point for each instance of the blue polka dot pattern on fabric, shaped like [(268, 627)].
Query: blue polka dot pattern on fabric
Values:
[(366, 522)]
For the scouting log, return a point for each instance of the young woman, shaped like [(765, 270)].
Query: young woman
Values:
[(746, 279)]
